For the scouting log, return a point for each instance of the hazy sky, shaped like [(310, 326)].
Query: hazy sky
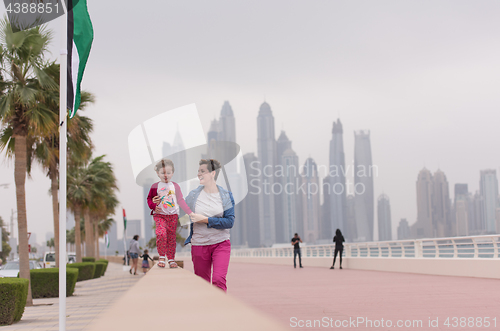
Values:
[(422, 76)]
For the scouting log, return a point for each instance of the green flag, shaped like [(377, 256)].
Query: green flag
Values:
[(80, 37)]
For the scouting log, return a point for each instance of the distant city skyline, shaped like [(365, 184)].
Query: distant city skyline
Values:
[(433, 198)]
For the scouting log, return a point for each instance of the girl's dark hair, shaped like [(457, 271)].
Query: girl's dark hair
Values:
[(136, 237), (212, 165), (146, 251), (338, 232)]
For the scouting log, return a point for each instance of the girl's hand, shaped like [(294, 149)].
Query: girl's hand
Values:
[(156, 199), (158, 209)]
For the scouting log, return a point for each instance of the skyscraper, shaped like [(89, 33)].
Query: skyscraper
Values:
[(488, 186), (213, 136), (250, 204), (325, 227), (221, 130), (461, 210), (282, 144), (351, 217), (310, 202), (476, 211), (384, 218), (403, 230), (434, 217), (291, 202), (334, 188), (498, 219), (266, 147), (423, 228), (441, 205), (227, 123), (363, 185)]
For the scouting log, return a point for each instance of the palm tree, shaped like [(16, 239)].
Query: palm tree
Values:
[(77, 195), (24, 77), (70, 238), (102, 202), (45, 149), (50, 243), (103, 227), (103, 206), (90, 185)]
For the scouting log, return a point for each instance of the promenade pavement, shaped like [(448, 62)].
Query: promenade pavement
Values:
[(296, 297), (90, 299)]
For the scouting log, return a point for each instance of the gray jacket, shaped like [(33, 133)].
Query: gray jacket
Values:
[(134, 247)]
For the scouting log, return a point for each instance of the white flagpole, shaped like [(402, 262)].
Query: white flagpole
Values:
[(62, 168)]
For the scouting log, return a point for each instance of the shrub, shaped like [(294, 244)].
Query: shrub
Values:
[(45, 282), (99, 269), (13, 295), (85, 270), (88, 259), (106, 267)]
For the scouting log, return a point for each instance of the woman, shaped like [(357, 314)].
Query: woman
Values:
[(339, 247), (134, 252), (213, 209)]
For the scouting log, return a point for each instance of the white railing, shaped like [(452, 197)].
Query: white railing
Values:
[(454, 247)]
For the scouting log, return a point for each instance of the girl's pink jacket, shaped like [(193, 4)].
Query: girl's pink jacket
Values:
[(153, 191)]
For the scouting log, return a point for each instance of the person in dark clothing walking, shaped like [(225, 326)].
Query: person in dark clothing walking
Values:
[(339, 247), (296, 250)]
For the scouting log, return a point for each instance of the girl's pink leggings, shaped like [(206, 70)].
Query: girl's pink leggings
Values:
[(166, 226)]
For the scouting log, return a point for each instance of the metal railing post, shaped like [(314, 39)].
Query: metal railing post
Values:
[(476, 248), (495, 248), (418, 248)]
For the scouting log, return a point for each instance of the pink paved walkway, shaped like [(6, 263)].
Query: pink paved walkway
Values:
[(347, 296)]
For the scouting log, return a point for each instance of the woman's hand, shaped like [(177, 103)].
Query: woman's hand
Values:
[(156, 199), (197, 218), (158, 209)]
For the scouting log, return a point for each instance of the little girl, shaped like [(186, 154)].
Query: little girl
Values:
[(164, 199), (145, 262)]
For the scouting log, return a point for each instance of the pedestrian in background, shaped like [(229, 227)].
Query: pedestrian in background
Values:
[(134, 250), (339, 247), (296, 250), (145, 261)]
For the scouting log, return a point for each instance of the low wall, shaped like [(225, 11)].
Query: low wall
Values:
[(114, 259), (176, 299), (482, 268)]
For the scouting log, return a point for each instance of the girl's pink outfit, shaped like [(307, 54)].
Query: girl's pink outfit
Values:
[(166, 219)]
